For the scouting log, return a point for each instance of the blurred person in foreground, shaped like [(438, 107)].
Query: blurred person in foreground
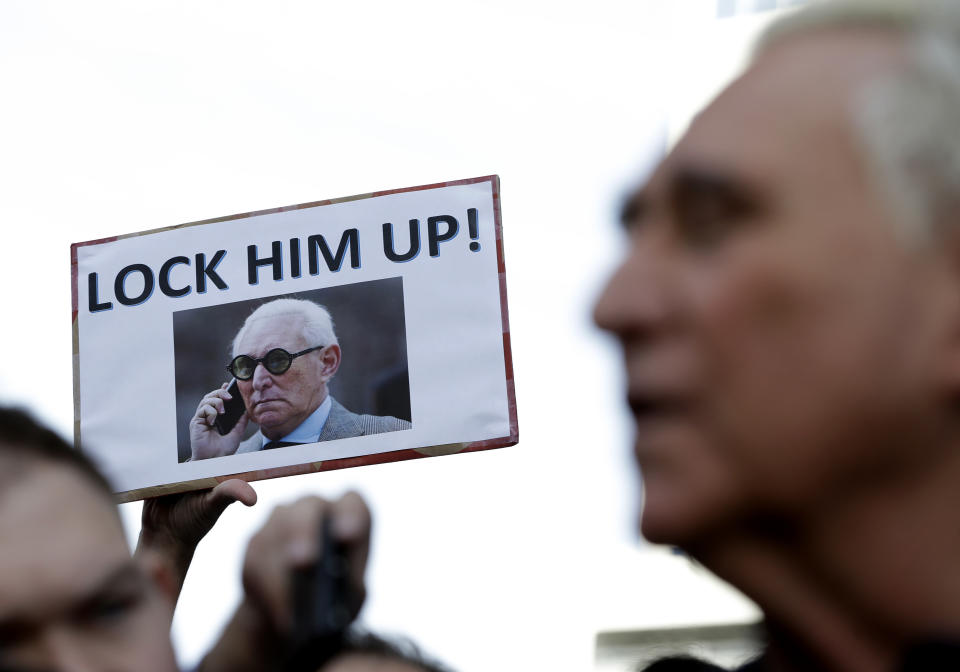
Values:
[(789, 313), (72, 598)]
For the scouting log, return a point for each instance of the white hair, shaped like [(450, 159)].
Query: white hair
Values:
[(909, 120), (315, 322)]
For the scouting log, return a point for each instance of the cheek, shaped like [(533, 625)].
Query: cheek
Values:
[(768, 366), (752, 331), (301, 384), (807, 379), (750, 316), (294, 385)]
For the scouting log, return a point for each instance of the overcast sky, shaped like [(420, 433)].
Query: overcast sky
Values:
[(125, 116)]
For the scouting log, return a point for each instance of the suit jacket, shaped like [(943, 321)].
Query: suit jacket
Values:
[(340, 424)]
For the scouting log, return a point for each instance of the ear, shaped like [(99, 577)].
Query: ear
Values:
[(330, 362)]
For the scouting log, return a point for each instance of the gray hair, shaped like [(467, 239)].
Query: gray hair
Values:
[(316, 323), (908, 121)]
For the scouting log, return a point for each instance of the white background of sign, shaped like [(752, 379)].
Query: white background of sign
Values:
[(125, 116), (454, 330)]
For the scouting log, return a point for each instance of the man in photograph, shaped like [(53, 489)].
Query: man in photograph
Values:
[(284, 357)]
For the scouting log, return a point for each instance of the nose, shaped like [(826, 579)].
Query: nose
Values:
[(635, 299), (262, 378)]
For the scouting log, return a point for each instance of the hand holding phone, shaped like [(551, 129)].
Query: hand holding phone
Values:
[(218, 423)]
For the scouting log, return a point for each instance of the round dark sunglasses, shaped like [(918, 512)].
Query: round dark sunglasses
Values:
[(276, 361)]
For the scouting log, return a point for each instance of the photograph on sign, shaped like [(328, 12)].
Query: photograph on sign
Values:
[(355, 383), (332, 334)]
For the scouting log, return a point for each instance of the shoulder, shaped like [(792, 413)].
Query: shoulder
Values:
[(382, 423), (251, 445), (358, 424)]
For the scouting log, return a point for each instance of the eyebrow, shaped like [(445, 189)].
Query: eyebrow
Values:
[(688, 184), (696, 182), (125, 577)]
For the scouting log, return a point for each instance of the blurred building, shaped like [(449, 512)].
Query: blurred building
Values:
[(728, 646)]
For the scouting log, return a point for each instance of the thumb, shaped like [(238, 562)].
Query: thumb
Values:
[(227, 493)]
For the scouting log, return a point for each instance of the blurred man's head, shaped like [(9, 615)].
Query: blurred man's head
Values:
[(789, 307), (71, 596), (279, 402)]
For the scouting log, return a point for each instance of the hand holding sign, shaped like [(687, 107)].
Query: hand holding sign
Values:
[(173, 525), (205, 440)]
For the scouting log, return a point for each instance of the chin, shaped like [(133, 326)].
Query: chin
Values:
[(680, 516), (269, 421), (659, 529)]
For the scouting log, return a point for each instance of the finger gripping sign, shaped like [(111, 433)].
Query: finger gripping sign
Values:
[(318, 336)]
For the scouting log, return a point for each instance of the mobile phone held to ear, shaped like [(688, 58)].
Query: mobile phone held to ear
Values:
[(233, 409)]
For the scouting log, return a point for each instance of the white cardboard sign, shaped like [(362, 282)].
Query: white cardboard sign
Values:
[(413, 280)]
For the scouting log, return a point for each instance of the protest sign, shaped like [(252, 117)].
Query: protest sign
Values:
[(345, 332)]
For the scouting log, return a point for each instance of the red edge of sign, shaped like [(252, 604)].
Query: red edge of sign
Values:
[(363, 460), (504, 313), (306, 468), (74, 271)]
